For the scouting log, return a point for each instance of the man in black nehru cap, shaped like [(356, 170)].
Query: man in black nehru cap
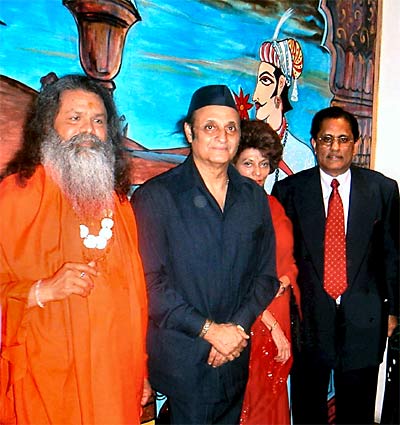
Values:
[(208, 251)]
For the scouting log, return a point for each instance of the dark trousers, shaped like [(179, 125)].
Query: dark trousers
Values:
[(355, 393), (191, 411)]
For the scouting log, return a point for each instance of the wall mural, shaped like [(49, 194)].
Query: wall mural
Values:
[(284, 60), (160, 54)]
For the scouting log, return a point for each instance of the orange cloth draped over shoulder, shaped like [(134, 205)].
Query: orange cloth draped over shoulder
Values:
[(266, 397), (79, 360)]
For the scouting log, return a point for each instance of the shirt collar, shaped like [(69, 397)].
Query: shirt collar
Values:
[(194, 177), (326, 179)]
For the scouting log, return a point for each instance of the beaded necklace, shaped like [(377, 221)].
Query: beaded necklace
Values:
[(100, 240)]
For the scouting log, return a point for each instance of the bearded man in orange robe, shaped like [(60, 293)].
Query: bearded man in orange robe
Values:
[(73, 300)]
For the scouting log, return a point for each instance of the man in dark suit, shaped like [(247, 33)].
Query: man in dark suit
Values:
[(344, 330), (208, 250)]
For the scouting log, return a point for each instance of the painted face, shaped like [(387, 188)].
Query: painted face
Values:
[(81, 112), (215, 136), (335, 159), (265, 88), (251, 163)]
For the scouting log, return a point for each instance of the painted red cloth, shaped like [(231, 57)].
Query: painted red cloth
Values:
[(266, 398), (79, 360)]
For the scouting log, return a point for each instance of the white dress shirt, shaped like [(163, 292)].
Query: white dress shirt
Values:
[(344, 191)]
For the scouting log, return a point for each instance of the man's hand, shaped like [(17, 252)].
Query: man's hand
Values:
[(146, 392), (71, 278), (392, 324), (216, 359), (227, 338)]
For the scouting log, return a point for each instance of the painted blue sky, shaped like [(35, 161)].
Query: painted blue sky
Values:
[(178, 46)]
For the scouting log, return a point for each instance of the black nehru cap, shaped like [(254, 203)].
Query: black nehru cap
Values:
[(211, 95)]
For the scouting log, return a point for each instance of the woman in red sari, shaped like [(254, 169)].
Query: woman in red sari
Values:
[(266, 397)]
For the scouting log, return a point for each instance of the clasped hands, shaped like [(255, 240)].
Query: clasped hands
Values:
[(69, 279), (227, 342)]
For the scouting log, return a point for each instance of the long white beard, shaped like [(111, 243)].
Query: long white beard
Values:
[(85, 173)]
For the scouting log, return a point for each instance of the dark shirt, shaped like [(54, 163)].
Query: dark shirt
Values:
[(201, 263)]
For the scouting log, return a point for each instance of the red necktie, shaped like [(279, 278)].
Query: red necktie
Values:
[(335, 274)]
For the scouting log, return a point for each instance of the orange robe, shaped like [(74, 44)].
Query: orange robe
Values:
[(79, 360), (266, 396)]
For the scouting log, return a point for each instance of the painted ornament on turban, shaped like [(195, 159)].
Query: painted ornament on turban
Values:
[(284, 54)]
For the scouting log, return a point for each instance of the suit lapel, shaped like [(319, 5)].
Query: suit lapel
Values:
[(362, 211), (312, 218)]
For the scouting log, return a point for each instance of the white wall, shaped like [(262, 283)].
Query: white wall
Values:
[(386, 158), (386, 155)]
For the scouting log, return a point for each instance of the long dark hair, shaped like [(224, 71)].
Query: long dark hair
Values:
[(286, 105), (41, 120)]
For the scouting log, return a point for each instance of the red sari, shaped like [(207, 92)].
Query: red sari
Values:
[(266, 397)]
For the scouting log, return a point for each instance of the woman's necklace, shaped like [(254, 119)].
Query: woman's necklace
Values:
[(283, 134), (282, 129), (100, 240)]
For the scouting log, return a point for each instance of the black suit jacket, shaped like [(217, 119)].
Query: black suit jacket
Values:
[(354, 335)]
